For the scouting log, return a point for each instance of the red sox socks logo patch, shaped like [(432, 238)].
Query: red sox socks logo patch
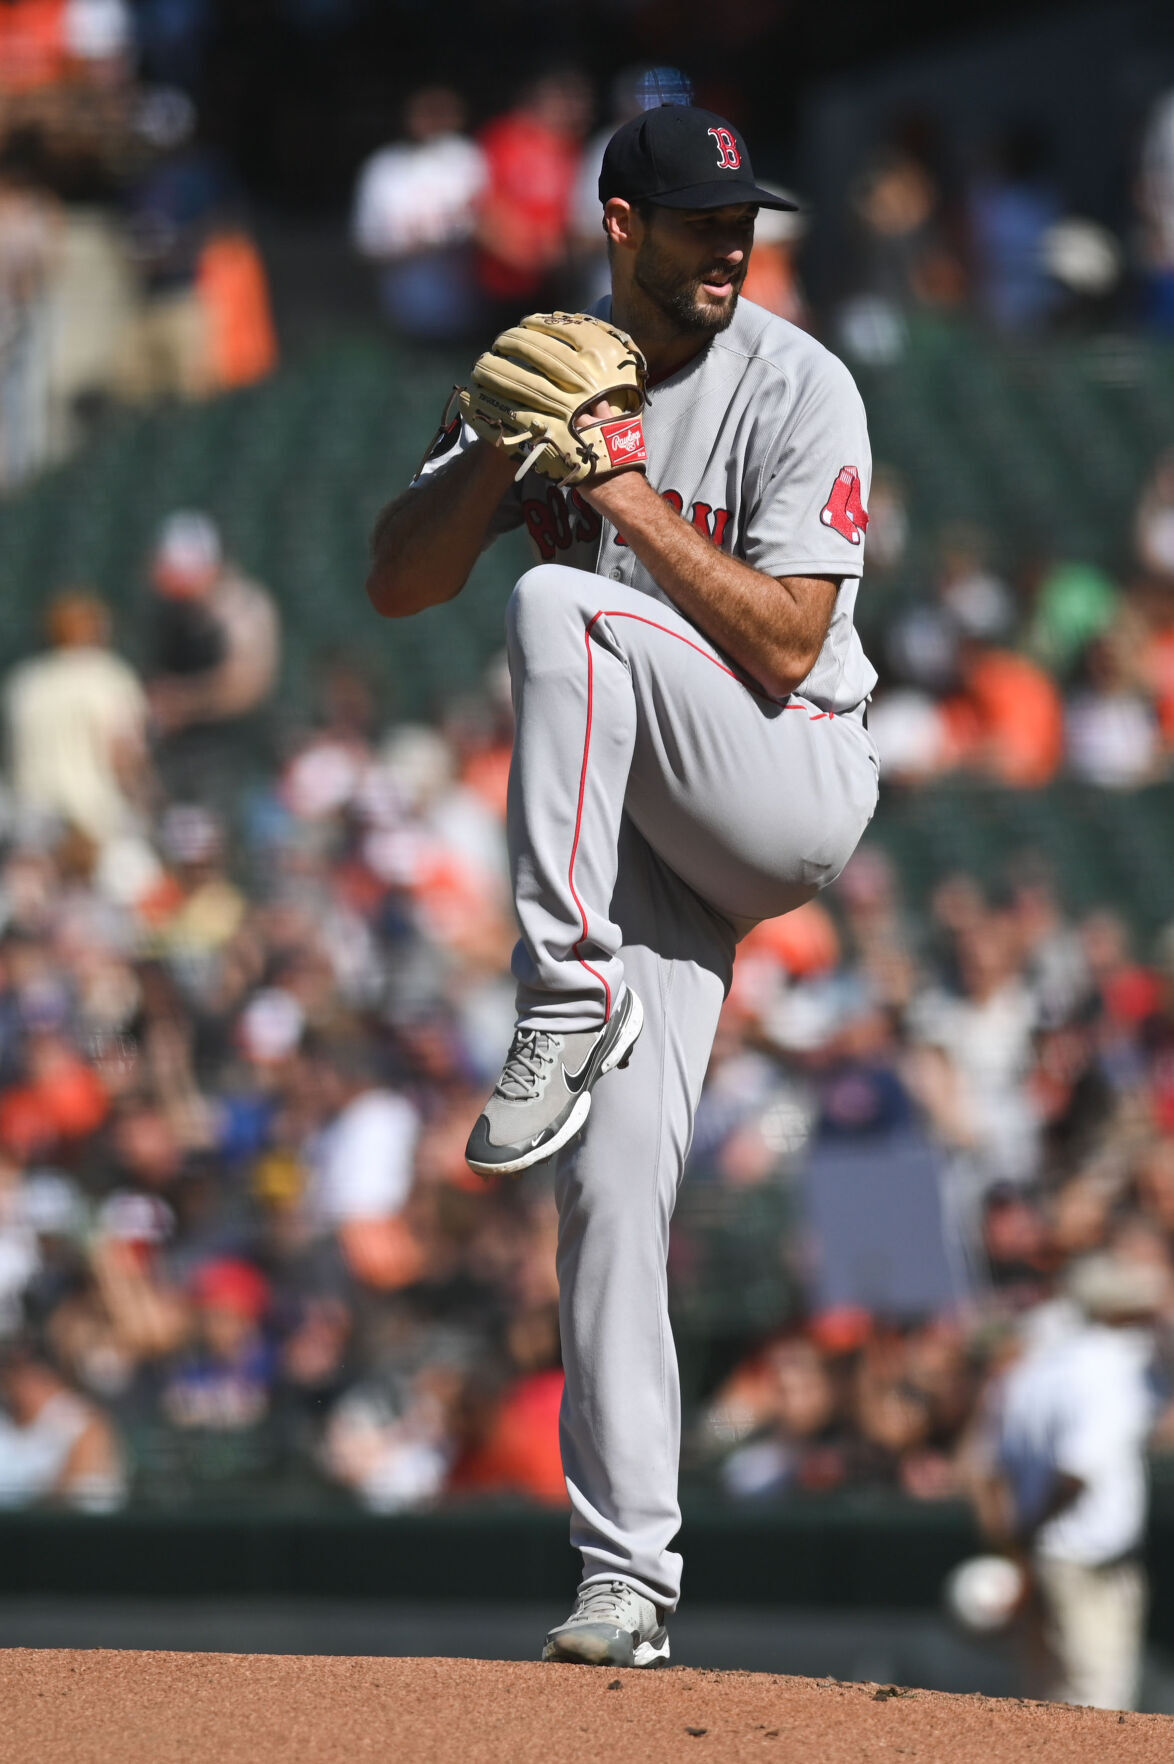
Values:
[(843, 509), (728, 156)]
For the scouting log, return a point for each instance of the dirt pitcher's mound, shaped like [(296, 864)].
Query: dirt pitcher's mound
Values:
[(63, 1707)]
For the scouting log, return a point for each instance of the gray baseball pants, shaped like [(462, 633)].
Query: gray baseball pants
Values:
[(658, 808)]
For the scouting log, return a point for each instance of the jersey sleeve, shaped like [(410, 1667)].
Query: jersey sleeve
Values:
[(446, 447), (807, 516)]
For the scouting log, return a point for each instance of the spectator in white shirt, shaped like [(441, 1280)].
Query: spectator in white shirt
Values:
[(1068, 1486), (984, 1031), (77, 725), (363, 1163), (55, 1446), (1112, 729), (100, 35), (415, 215), (365, 1156)]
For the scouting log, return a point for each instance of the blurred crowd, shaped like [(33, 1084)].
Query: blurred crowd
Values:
[(1020, 1057), (1019, 675), (467, 230), (466, 226), (127, 268), (244, 1033)]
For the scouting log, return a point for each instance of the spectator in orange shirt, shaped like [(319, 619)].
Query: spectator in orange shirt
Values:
[(1008, 720), (512, 1442), (33, 44), (532, 156)]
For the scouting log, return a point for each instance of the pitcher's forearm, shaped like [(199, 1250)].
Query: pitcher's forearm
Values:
[(426, 542), (773, 626)]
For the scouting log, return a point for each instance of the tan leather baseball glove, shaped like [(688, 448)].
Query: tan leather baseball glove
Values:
[(540, 376)]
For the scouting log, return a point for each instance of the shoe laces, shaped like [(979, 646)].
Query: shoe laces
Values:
[(611, 1600), (528, 1065)]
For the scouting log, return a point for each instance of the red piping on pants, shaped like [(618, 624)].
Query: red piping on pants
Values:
[(579, 823), (603, 613)]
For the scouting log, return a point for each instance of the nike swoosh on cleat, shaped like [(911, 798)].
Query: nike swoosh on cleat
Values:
[(574, 1081)]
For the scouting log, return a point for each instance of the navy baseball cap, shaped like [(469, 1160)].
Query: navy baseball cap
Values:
[(682, 157)]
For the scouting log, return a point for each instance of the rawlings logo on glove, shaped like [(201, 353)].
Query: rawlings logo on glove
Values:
[(537, 389), (624, 441)]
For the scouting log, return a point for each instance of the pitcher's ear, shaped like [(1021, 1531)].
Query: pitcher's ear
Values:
[(622, 223)]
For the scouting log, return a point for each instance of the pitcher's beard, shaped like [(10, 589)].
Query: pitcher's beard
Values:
[(680, 298)]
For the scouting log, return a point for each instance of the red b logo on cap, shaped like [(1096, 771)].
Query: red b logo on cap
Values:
[(728, 156)]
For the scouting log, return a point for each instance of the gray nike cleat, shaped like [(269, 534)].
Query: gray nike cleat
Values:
[(612, 1625), (543, 1095)]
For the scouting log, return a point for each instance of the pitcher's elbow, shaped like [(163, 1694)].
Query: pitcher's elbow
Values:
[(785, 671), (381, 592)]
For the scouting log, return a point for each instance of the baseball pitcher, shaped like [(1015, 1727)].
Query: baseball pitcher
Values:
[(691, 757)]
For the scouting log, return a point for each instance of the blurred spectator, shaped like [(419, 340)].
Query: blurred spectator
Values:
[(911, 734), (781, 1413), (33, 46), (1112, 730), (955, 695), (233, 293), (1054, 958), (900, 256), (1012, 206), (1065, 1481), (223, 1380), (42, 45), (903, 258), (170, 213), (29, 245), (56, 1448), (511, 1444), (100, 37), (217, 653), (1008, 720), (532, 158), (393, 1439), (362, 1164), (77, 726), (982, 1033), (415, 214), (1074, 603), (1084, 261), (974, 597)]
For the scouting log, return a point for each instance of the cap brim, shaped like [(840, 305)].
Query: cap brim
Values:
[(721, 194)]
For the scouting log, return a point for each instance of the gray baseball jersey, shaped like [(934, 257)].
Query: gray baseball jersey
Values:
[(659, 805), (760, 441)]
